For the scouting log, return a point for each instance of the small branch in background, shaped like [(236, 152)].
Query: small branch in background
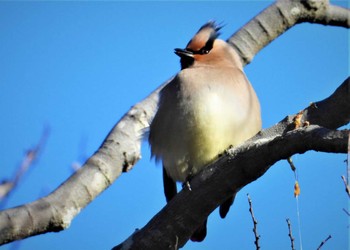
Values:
[(347, 213), (290, 234), (323, 242), (347, 179), (75, 166), (5, 187), (8, 186), (82, 155), (346, 184), (255, 222)]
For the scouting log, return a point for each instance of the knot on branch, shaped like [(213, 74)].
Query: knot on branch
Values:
[(315, 5)]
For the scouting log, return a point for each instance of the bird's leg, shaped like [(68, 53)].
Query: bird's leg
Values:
[(170, 189)]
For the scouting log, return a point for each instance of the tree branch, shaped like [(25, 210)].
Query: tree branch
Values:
[(7, 187), (176, 222), (279, 17), (121, 150), (324, 242), (290, 234), (255, 223)]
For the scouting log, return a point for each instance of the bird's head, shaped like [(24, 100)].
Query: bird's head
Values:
[(205, 48)]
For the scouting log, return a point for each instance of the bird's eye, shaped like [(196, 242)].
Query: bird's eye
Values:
[(204, 51)]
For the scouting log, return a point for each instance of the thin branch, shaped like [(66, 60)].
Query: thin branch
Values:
[(77, 164), (323, 242), (291, 164), (346, 179), (290, 234), (255, 223), (346, 211), (7, 187), (347, 187)]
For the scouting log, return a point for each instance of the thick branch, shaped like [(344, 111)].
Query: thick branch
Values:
[(176, 222), (332, 112), (279, 17), (119, 152), (229, 174)]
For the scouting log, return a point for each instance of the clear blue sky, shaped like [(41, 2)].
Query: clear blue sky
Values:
[(79, 66)]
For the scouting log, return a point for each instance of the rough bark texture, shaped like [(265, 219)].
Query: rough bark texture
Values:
[(121, 149), (279, 17)]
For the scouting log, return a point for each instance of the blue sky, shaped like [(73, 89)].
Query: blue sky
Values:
[(79, 66)]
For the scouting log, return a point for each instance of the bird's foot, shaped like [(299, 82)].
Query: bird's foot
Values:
[(187, 182), (188, 185)]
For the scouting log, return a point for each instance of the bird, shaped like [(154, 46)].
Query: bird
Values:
[(206, 108)]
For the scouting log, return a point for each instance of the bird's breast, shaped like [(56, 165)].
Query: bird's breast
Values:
[(202, 113)]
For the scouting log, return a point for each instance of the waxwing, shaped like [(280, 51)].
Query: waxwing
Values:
[(208, 106)]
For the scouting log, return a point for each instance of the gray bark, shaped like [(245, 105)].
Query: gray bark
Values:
[(120, 151)]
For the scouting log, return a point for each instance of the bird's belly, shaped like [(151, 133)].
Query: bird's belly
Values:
[(211, 133), (208, 127)]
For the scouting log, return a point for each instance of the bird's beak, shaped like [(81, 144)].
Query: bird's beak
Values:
[(183, 53)]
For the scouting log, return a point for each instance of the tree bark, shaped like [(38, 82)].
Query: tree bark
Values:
[(278, 18), (120, 151)]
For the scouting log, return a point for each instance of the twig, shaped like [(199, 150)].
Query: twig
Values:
[(323, 242), (28, 161), (347, 179), (82, 155), (290, 234), (347, 213), (255, 222), (347, 187), (5, 187), (292, 166)]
